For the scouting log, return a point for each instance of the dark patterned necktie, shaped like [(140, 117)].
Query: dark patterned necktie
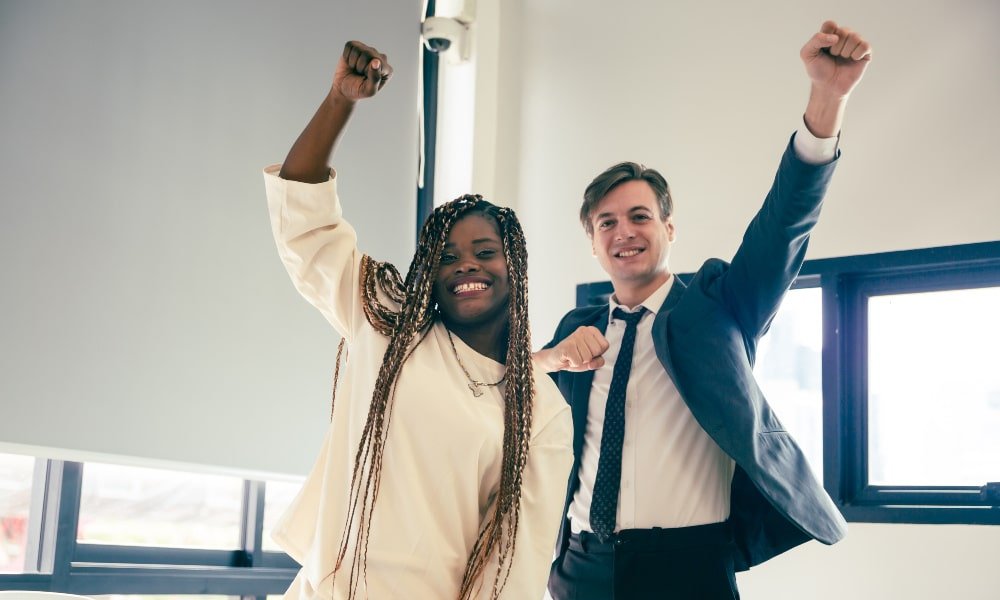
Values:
[(604, 504)]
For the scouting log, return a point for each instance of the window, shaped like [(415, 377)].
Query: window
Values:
[(278, 497), (918, 391), (934, 388), (789, 369), (124, 532), (157, 507)]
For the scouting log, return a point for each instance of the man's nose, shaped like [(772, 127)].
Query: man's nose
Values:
[(625, 231)]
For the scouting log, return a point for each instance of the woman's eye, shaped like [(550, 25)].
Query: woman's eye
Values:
[(487, 253), (447, 259)]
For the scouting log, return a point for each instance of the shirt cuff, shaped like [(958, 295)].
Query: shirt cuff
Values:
[(275, 170), (813, 150)]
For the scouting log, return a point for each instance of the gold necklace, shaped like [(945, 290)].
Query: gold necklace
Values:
[(474, 384)]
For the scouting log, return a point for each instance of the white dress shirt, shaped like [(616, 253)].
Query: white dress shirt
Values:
[(673, 474)]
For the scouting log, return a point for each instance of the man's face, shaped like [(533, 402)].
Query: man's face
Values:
[(630, 239), (472, 286)]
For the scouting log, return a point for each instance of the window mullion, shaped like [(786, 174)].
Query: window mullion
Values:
[(833, 424), (64, 509), (252, 521), (42, 516)]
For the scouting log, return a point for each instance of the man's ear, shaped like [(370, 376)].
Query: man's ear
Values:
[(671, 232)]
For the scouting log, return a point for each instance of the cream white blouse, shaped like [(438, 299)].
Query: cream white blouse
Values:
[(441, 463)]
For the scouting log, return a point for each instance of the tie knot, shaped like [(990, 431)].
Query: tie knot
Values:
[(631, 318)]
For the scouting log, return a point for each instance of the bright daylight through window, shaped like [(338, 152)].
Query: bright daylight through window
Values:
[(155, 507), (15, 501), (789, 370), (934, 388), (277, 496)]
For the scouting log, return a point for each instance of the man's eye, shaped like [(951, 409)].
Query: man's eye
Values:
[(605, 224), (642, 217)]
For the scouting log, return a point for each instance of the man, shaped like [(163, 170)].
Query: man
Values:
[(682, 475)]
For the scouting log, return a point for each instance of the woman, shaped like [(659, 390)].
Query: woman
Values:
[(438, 417)]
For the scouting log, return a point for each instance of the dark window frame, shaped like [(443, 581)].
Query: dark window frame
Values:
[(941, 269), (846, 284), (60, 564)]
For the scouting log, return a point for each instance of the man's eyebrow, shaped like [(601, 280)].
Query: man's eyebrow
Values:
[(631, 210)]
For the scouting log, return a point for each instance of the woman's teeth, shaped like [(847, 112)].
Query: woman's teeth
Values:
[(469, 287)]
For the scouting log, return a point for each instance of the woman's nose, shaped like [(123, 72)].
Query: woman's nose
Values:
[(467, 266)]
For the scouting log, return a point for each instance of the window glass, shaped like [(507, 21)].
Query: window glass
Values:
[(277, 496), (934, 388), (789, 370), (157, 507), (16, 473)]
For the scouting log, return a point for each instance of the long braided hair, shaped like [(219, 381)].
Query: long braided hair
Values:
[(405, 327)]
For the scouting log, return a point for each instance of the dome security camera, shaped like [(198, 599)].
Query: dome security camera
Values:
[(441, 34)]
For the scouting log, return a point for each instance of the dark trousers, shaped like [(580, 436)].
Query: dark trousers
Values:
[(686, 563)]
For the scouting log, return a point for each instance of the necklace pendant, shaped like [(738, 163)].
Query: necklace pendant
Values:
[(475, 390)]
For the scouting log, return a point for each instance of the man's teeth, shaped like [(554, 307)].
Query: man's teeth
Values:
[(469, 287), (627, 253)]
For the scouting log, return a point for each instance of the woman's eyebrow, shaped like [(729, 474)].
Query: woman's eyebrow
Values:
[(475, 241)]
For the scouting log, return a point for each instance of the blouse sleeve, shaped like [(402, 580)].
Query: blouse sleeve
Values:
[(317, 246), (543, 492)]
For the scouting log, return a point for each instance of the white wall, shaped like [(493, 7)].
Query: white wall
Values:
[(145, 315), (884, 562), (708, 92)]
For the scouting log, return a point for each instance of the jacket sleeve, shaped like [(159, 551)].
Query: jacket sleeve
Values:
[(557, 337), (775, 242), (317, 246), (559, 333)]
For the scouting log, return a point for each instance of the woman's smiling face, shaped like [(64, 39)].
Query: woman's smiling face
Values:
[(472, 286)]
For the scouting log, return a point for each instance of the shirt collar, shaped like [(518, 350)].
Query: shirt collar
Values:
[(651, 303)]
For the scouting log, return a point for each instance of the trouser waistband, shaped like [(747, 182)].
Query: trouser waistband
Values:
[(656, 538)]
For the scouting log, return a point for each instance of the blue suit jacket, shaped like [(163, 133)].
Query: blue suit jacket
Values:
[(705, 336)]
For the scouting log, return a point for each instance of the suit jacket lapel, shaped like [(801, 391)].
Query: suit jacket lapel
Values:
[(660, 326)]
